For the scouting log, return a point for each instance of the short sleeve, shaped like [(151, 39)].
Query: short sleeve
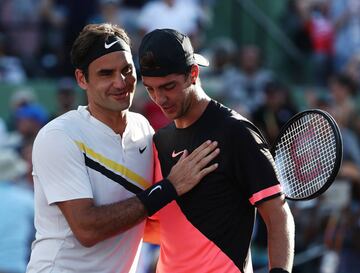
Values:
[(255, 166), (59, 168)]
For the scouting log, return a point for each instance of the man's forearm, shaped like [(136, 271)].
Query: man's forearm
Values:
[(281, 243), (280, 232), (92, 224), (115, 218)]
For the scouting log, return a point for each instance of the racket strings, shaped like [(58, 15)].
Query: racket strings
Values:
[(306, 169), (305, 156), (305, 166)]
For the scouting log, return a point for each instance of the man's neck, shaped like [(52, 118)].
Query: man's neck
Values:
[(115, 120), (195, 111)]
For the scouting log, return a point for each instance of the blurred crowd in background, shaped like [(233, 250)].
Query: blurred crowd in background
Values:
[(35, 41)]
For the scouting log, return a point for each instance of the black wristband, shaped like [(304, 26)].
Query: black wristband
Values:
[(278, 270), (158, 196)]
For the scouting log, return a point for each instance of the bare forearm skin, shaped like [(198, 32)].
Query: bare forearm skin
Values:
[(92, 224), (281, 232), (281, 244)]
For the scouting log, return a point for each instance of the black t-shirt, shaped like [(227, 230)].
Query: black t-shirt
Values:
[(221, 206)]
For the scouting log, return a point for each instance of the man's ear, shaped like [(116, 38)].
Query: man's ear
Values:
[(80, 78), (194, 73)]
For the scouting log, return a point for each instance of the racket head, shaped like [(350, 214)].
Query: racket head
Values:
[(307, 154)]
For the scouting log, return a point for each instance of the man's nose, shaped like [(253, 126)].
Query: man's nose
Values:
[(160, 99), (119, 81)]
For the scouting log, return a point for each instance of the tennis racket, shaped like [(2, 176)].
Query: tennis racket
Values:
[(307, 154)]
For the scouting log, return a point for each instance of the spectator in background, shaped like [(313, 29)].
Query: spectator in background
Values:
[(22, 96), (108, 12), (20, 20), (11, 68), (293, 22), (343, 91), (345, 15), (246, 83), (53, 21), (66, 96), (352, 69), (276, 110), (78, 14), (321, 32), (16, 213), (29, 119), (27, 115), (221, 54), (185, 16), (130, 10)]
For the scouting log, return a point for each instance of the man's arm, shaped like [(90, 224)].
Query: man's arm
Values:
[(92, 224), (280, 231)]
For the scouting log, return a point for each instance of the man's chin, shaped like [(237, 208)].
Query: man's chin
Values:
[(120, 107), (170, 115)]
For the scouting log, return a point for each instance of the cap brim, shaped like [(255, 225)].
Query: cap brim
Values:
[(201, 60)]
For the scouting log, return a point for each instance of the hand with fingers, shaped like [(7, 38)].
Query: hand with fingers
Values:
[(184, 175), (190, 169)]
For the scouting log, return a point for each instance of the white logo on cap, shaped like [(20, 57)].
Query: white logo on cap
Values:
[(107, 46)]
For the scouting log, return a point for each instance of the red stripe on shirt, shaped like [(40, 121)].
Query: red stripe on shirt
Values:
[(256, 197)]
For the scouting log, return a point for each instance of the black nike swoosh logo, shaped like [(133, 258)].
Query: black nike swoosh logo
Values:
[(142, 150)]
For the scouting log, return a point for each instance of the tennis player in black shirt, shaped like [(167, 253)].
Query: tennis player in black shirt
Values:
[(209, 229)]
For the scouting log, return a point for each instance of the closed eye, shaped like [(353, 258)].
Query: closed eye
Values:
[(169, 86), (105, 72), (164, 87)]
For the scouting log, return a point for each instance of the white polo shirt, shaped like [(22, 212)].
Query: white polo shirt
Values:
[(77, 156)]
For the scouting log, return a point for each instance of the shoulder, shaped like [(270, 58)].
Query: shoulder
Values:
[(62, 123), (239, 126), (229, 117), (59, 130), (71, 118)]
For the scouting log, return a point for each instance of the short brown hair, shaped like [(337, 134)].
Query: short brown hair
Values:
[(88, 36)]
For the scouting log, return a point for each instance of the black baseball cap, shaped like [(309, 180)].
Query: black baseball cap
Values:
[(167, 51)]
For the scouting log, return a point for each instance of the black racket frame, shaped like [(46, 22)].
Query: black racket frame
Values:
[(339, 148)]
